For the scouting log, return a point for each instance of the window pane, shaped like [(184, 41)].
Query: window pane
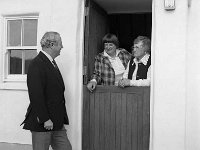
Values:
[(30, 32), (15, 61), (29, 55), (14, 33)]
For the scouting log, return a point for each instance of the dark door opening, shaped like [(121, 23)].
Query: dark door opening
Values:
[(128, 26)]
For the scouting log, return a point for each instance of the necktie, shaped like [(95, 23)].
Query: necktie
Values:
[(55, 65), (58, 72)]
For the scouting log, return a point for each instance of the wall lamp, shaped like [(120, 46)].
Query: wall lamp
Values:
[(189, 3), (169, 5)]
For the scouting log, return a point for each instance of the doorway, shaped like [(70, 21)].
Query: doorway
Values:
[(115, 118), (99, 21)]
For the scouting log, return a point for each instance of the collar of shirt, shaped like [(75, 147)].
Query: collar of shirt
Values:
[(116, 63), (106, 55), (144, 59), (48, 56)]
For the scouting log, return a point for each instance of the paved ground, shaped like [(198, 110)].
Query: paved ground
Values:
[(11, 146)]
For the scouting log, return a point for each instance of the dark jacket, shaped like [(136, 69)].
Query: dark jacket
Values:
[(46, 94)]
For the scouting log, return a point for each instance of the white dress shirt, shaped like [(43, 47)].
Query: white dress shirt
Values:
[(116, 63), (48, 56)]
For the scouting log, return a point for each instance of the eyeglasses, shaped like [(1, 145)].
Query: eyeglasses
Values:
[(136, 47)]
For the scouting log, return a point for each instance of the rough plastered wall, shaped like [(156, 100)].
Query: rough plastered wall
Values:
[(65, 17)]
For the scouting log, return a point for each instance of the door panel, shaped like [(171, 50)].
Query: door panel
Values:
[(96, 26), (116, 118)]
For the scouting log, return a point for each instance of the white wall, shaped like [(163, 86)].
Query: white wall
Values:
[(65, 17), (169, 85), (193, 78), (175, 89), (12, 107)]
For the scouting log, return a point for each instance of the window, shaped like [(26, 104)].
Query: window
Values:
[(20, 46)]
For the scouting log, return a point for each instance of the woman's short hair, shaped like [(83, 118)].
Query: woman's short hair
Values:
[(110, 38), (145, 41), (49, 38)]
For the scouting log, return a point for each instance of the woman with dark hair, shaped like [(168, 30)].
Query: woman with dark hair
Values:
[(110, 64)]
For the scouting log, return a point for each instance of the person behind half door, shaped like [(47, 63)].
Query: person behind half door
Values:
[(138, 72), (110, 64)]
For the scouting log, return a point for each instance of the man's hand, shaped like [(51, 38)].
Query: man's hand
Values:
[(48, 125), (91, 85)]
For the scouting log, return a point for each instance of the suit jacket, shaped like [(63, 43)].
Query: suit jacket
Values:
[(46, 94)]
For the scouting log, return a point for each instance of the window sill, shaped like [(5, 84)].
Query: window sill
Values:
[(14, 82), (15, 78), (18, 85)]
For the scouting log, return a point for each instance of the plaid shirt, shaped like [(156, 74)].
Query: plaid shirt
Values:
[(103, 71)]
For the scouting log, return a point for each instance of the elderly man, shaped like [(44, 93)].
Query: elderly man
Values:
[(138, 72), (46, 114), (110, 64)]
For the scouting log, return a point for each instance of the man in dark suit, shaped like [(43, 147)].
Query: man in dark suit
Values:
[(46, 114)]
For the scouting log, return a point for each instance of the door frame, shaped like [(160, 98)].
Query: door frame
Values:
[(152, 68)]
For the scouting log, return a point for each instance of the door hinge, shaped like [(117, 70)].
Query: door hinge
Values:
[(85, 77), (86, 11)]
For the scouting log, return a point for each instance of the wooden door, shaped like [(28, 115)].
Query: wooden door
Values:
[(116, 118), (96, 26)]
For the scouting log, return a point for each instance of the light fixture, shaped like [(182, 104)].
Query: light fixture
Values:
[(189, 3), (169, 4)]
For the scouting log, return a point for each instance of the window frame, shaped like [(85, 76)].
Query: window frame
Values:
[(6, 66)]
